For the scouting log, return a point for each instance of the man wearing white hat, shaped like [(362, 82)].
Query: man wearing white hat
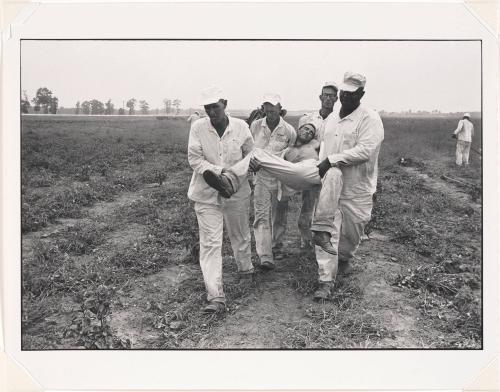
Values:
[(275, 135), (328, 97), (217, 142), (463, 134), (351, 142)]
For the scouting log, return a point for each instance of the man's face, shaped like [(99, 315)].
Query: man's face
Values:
[(351, 99), (272, 111), (328, 97), (216, 111), (306, 133)]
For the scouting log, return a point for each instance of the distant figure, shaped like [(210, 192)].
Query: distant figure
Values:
[(193, 117), (463, 134)]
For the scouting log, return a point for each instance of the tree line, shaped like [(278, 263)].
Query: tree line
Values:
[(45, 102)]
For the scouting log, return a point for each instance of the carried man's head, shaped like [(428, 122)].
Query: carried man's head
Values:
[(214, 102), (271, 103), (329, 95), (306, 133), (352, 90)]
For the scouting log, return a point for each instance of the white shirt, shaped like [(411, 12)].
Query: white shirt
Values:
[(193, 117), (275, 142), (354, 141), (465, 130), (208, 151)]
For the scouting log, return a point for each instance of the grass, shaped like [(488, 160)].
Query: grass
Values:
[(71, 165)]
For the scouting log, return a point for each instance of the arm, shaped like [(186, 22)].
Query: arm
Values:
[(248, 143), (371, 134), (196, 158), (459, 127)]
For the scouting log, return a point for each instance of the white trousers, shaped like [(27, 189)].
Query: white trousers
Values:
[(210, 222), (462, 153), (347, 228)]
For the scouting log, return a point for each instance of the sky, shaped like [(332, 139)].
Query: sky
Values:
[(401, 75)]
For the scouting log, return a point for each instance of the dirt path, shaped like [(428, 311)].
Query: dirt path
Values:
[(162, 310)]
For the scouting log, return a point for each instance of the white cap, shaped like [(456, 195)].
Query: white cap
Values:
[(467, 115), (212, 95), (352, 81), (271, 98), (331, 84)]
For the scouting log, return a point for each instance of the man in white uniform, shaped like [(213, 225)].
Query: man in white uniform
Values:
[(463, 134), (275, 135), (216, 142), (328, 97), (351, 142)]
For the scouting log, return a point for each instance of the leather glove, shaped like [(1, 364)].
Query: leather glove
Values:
[(254, 165), (323, 167)]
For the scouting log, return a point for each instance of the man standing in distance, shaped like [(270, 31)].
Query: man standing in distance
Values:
[(463, 134), (217, 142), (328, 97), (274, 135), (352, 140)]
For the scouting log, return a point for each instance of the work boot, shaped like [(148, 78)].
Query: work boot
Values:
[(322, 239), (219, 182), (345, 267), (214, 307), (324, 291), (267, 265)]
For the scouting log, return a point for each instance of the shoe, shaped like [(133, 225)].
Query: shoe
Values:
[(322, 239), (267, 265), (345, 267), (219, 182), (245, 279), (214, 307), (324, 291)]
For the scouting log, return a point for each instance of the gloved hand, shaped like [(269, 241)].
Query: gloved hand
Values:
[(254, 165), (323, 167)]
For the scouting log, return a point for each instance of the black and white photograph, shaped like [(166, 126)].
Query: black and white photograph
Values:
[(238, 194)]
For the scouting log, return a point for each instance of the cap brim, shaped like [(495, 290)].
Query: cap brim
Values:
[(209, 101), (274, 103), (347, 87)]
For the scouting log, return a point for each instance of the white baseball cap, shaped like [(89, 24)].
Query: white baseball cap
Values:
[(271, 98), (331, 84), (467, 114), (352, 81), (212, 95)]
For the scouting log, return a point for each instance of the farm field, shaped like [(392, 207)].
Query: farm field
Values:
[(109, 247)]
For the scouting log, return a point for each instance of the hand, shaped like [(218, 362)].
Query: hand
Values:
[(323, 167), (453, 136), (254, 165)]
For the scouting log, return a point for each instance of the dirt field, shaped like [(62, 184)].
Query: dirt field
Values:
[(109, 243)]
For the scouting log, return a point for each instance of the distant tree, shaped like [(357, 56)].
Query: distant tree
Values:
[(176, 104), (121, 111), (144, 107), (131, 105), (110, 108), (168, 105), (86, 107), (25, 103), (42, 99), (77, 108), (96, 107), (54, 102)]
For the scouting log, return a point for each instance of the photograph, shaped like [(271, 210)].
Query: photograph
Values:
[(251, 194)]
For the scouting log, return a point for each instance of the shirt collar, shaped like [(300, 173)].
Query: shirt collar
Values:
[(354, 115), (228, 128), (280, 124)]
